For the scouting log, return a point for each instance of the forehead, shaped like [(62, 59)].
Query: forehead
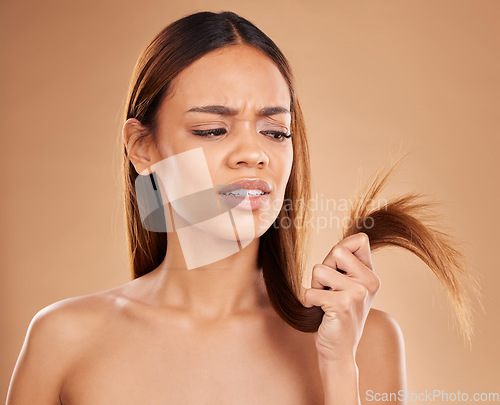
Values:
[(234, 75)]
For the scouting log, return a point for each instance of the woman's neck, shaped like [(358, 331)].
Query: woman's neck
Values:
[(215, 290)]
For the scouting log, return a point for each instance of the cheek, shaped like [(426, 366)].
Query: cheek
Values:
[(213, 160), (165, 147), (286, 161), (173, 139)]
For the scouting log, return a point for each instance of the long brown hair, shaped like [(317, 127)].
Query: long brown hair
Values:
[(412, 222), (282, 248)]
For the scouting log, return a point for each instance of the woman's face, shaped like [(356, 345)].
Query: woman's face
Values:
[(230, 109)]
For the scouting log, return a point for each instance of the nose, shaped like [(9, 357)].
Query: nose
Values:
[(247, 150)]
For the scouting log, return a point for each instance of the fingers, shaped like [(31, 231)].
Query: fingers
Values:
[(339, 301), (342, 258), (353, 257), (324, 276), (313, 297), (359, 245)]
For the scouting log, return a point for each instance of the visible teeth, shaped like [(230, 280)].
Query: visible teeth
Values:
[(255, 192), (241, 192)]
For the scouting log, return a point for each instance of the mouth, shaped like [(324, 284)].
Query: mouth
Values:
[(247, 194)]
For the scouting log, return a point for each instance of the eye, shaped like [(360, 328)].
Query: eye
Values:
[(209, 132), (278, 135)]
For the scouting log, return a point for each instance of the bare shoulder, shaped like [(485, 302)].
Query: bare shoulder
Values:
[(62, 328), (71, 316), (381, 356), (381, 329), (74, 320), (56, 337)]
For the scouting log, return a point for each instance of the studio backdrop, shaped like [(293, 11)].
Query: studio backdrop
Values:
[(373, 78)]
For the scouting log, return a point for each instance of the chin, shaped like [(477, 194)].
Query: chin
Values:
[(230, 226)]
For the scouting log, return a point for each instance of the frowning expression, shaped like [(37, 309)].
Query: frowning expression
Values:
[(233, 103)]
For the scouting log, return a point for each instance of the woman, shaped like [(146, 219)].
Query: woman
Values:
[(215, 165)]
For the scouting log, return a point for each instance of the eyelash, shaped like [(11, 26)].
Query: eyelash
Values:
[(278, 135)]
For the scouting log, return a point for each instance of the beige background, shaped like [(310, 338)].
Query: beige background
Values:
[(372, 75)]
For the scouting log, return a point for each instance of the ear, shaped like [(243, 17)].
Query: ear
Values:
[(139, 144)]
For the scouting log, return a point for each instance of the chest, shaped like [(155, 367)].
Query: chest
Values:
[(172, 364)]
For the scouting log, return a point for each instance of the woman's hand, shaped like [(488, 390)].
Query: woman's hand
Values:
[(345, 298)]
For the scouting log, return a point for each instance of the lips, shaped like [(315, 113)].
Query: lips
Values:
[(247, 184), (246, 194)]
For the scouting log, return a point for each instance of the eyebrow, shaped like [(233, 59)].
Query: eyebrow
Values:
[(223, 110)]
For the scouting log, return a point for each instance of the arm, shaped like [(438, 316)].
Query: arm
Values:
[(340, 381), (44, 358), (346, 296), (378, 367)]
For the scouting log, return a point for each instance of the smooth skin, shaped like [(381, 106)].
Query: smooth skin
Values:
[(209, 335)]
